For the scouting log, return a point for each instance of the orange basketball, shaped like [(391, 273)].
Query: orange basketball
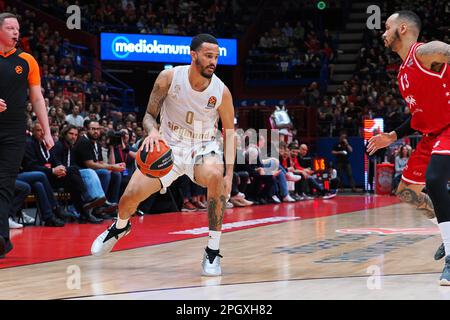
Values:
[(155, 164)]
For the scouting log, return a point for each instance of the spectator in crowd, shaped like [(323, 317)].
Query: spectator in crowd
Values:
[(303, 160), (121, 151), (191, 193), (283, 177), (342, 152), (400, 163), (199, 197), (161, 17), (104, 143), (60, 115), (241, 178), (75, 118), (290, 53), (139, 133), (293, 165), (308, 183), (333, 178), (87, 152), (294, 185), (272, 167), (93, 193), (51, 212), (312, 97), (265, 41), (52, 112), (38, 158), (309, 175), (238, 188), (262, 175), (92, 115), (280, 175), (54, 131)]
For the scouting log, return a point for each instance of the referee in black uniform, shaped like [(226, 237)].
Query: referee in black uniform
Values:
[(19, 71)]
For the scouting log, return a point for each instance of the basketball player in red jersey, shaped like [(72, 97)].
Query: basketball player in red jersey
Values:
[(424, 82)]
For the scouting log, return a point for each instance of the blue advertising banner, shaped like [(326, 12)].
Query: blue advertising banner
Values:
[(158, 48)]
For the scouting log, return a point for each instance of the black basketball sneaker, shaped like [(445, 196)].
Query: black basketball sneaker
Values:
[(440, 252)]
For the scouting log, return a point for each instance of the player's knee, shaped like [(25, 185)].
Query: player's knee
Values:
[(216, 175), (130, 193)]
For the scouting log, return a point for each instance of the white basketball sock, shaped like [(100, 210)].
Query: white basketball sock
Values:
[(445, 233), (214, 239), (120, 224)]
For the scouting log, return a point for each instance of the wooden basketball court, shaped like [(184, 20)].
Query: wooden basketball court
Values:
[(350, 247)]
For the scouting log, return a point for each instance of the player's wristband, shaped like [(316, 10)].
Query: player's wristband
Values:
[(404, 129)]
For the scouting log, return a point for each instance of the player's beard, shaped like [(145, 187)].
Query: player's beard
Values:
[(395, 40), (202, 70)]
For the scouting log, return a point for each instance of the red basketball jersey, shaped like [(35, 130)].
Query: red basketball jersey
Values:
[(426, 92)]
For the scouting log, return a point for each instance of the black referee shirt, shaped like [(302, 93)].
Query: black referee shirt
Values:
[(18, 71)]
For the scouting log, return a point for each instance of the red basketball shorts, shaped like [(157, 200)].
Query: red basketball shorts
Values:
[(416, 167)]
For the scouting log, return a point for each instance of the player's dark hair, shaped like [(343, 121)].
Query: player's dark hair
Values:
[(199, 39), (6, 15), (410, 16)]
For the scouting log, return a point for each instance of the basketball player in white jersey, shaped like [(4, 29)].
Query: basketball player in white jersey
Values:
[(191, 100)]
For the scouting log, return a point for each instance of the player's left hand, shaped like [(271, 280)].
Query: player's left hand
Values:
[(48, 140)]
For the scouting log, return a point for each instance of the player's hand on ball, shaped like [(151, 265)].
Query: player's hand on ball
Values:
[(152, 140), (379, 141), (2, 105)]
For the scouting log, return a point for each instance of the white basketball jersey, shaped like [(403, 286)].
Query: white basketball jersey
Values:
[(187, 116)]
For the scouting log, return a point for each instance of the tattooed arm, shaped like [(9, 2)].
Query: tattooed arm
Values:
[(159, 92), (433, 52)]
